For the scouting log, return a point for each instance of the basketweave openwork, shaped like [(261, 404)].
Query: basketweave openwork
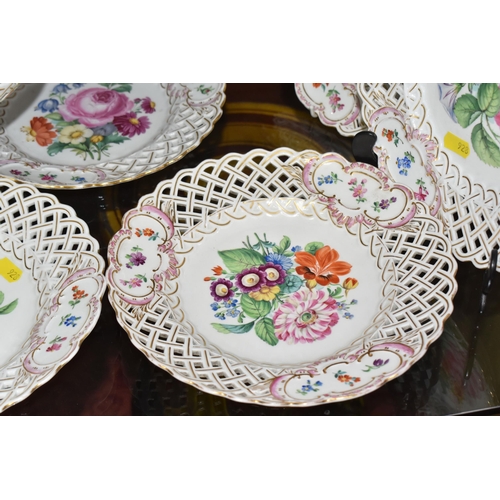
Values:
[(415, 296), (74, 136), (51, 285)]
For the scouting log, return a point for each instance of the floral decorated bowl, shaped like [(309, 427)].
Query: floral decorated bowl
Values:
[(79, 135), (270, 294), (51, 285)]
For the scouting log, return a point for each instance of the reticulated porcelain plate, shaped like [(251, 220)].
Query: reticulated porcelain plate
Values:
[(81, 135), (234, 277), (51, 285), (335, 104), (464, 120)]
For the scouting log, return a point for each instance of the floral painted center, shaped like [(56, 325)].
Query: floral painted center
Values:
[(88, 121), (281, 292)]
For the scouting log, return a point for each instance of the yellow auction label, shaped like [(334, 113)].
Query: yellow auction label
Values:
[(9, 270), (457, 145)]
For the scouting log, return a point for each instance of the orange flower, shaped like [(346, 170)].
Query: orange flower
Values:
[(207, 278), (316, 85), (80, 294), (217, 270), (344, 378), (322, 268), (390, 135), (349, 284), (148, 232), (40, 130)]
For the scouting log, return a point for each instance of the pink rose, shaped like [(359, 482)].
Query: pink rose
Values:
[(95, 107)]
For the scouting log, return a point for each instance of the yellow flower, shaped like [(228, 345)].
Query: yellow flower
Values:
[(74, 134), (349, 284), (265, 293), (30, 133), (96, 138)]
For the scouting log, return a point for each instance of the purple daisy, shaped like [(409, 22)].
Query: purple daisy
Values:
[(148, 106), (250, 280), (129, 125), (275, 275), (221, 289), (137, 259), (384, 204)]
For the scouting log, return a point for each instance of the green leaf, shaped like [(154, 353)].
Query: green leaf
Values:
[(484, 147), (233, 328), (114, 139), (9, 307), (292, 284), (56, 147), (467, 110), (120, 87), (335, 293), (265, 331), (284, 244), (240, 259), (313, 247), (54, 116), (1, 297), (80, 147), (255, 308), (62, 124), (488, 97)]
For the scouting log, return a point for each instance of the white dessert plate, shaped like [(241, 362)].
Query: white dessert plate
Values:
[(51, 285), (82, 135), (236, 279)]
